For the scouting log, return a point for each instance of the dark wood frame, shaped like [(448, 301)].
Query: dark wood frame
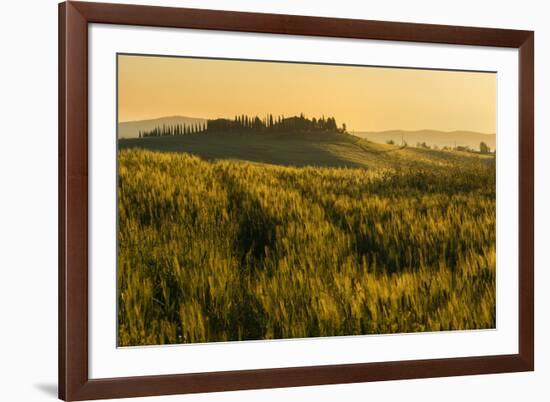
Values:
[(74, 383)]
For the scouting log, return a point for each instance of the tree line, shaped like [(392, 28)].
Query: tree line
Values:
[(483, 147), (269, 123), (173, 130)]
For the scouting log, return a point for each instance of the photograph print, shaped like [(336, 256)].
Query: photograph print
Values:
[(261, 200)]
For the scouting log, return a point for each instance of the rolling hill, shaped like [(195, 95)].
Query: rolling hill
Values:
[(130, 129), (330, 149), (432, 137)]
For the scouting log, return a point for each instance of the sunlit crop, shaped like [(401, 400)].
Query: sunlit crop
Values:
[(231, 250)]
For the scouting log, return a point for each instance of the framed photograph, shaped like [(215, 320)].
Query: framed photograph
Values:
[(260, 200)]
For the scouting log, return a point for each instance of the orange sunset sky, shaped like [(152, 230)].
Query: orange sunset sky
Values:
[(365, 98)]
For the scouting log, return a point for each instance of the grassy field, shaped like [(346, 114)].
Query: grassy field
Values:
[(368, 239), (301, 149)]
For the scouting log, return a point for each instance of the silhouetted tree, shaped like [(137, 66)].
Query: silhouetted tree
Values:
[(484, 148)]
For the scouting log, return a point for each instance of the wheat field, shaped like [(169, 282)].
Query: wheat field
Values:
[(230, 250)]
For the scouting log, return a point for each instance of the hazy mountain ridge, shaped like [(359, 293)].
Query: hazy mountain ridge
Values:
[(431, 137), (131, 129)]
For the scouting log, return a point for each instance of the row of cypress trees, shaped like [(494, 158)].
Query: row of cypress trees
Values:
[(174, 130), (244, 122), (275, 123)]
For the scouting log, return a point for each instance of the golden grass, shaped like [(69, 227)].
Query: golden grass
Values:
[(227, 250)]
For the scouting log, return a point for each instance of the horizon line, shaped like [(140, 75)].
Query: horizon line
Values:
[(297, 115)]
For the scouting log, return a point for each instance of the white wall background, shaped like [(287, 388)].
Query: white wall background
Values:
[(28, 199)]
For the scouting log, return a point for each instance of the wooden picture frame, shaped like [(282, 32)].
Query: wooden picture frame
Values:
[(74, 381)]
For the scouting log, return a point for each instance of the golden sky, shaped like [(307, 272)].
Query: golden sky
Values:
[(365, 98)]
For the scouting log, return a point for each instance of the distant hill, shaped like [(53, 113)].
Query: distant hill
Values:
[(432, 137), (332, 149), (131, 129)]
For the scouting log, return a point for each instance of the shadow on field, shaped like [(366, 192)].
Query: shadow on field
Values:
[(287, 150)]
